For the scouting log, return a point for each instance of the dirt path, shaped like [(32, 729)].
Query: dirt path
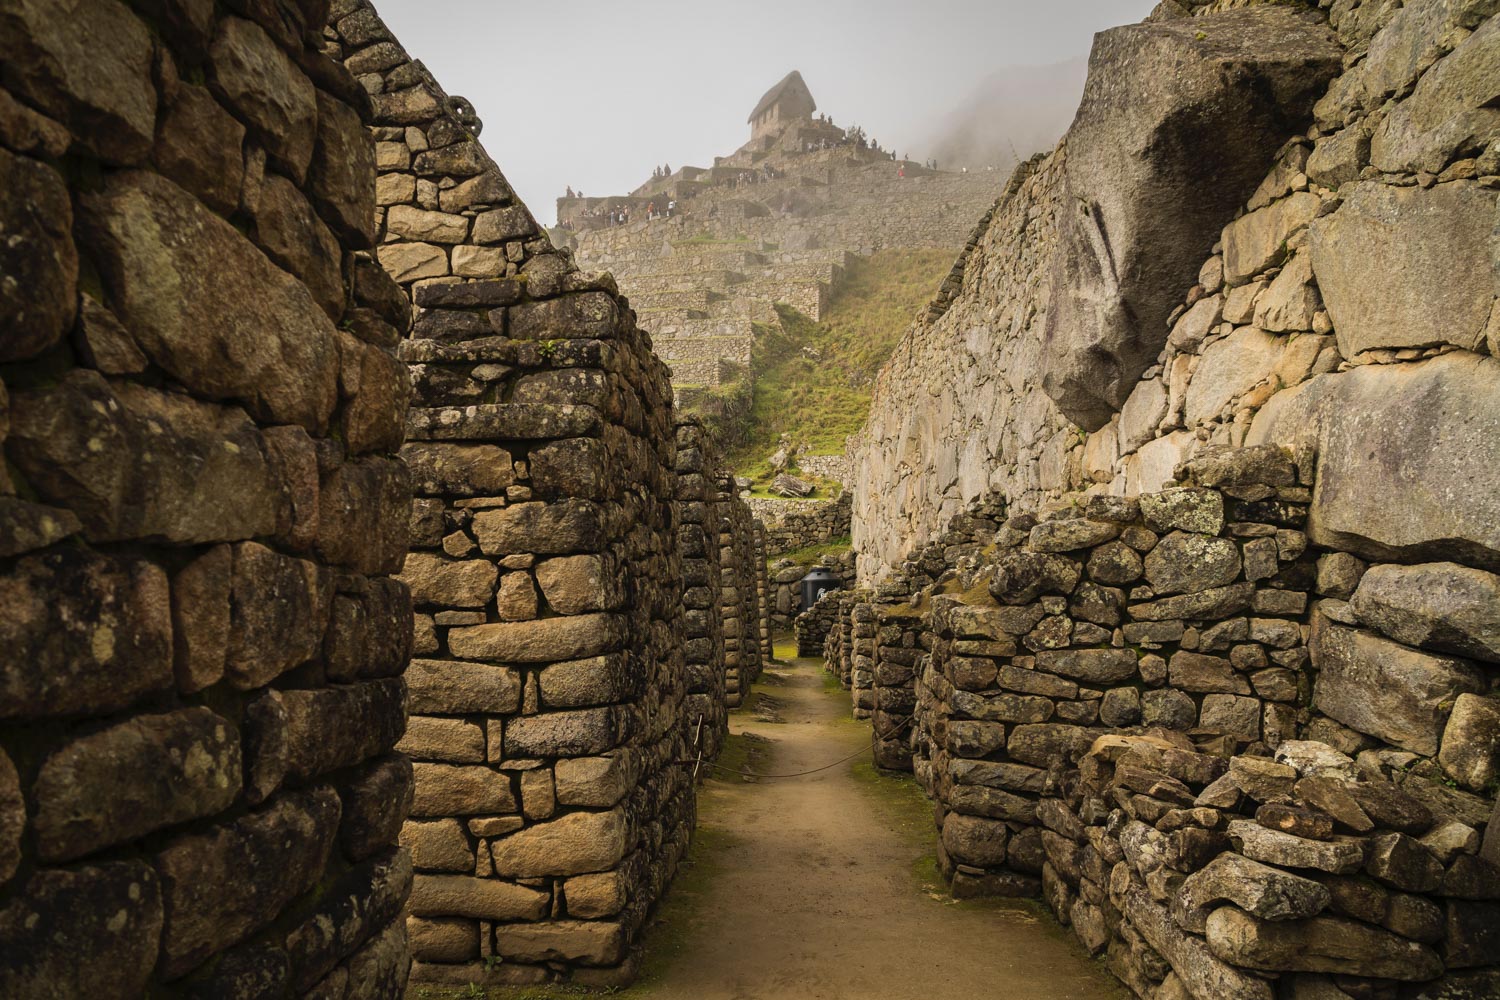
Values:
[(812, 888)]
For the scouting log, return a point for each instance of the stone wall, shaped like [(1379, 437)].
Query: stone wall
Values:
[(1111, 684), (550, 694), (786, 588), (1278, 332), (742, 582), (902, 639), (699, 470), (800, 524), (199, 513)]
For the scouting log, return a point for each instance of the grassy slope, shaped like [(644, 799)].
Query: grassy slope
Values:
[(823, 398)]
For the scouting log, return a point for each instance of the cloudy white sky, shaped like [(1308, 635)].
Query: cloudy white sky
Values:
[(594, 93)]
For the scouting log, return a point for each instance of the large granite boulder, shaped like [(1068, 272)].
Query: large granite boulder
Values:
[(1426, 434), (1180, 120)]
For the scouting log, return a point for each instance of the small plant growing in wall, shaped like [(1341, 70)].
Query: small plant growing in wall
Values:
[(547, 349)]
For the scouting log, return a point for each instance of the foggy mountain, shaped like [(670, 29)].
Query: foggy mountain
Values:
[(1015, 112)]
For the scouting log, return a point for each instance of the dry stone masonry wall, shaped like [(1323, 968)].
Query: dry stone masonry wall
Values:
[(200, 512), (800, 524), (1234, 762), (698, 473), (1283, 337), (552, 707)]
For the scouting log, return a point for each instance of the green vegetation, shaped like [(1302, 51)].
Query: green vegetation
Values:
[(812, 553), (813, 380)]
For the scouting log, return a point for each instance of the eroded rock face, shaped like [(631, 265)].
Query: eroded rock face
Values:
[(1168, 105)]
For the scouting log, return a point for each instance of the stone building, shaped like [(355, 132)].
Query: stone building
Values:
[(784, 103)]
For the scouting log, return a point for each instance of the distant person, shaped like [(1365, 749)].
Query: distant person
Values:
[(570, 191), (666, 170), (671, 207), (901, 170)]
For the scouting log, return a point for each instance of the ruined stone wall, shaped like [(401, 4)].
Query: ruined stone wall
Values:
[(763, 595), (1275, 331), (800, 524), (902, 638), (699, 470), (740, 574), (200, 510), (1183, 621), (786, 588), (548, 697)]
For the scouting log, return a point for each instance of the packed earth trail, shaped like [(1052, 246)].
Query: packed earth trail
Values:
[(814, 884)]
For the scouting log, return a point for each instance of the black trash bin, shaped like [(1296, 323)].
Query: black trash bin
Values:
[(817, 583)]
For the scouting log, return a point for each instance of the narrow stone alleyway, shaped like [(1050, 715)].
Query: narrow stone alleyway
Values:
[(823, 887)]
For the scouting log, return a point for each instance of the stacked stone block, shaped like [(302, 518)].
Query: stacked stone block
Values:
[(901, 633), (200, 512), (813, 626), (1182, 610), (740, 594), (548, 698), (839, 647), (864, 635), (1309, 873), (763, 594), (698, 472), (786, 585)]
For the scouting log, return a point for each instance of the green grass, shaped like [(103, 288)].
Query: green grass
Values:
[(812, 553), (821, 400)]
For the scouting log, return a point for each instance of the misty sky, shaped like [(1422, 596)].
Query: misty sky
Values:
[(594, 93)]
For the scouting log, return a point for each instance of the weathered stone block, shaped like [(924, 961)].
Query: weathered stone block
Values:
[(38, 255), (1441, 606), (459, 469), (1158, 95), (454, 583), (257, 79), (600, 782), (135, 462), (559, 734), (452, 790), (279, 613), (88, 65), (243, 330), (1319, 944), (1411, 236), (1470, 751), (272, 856), (586, 942), (546, 640), (143, 774), (1386, 689), (572, 844), (476, 898), (438, 845), (542, 529), (82, 632), (88, 929), (454, 687)]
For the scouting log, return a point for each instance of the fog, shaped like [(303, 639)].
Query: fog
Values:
[(595, 93)]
